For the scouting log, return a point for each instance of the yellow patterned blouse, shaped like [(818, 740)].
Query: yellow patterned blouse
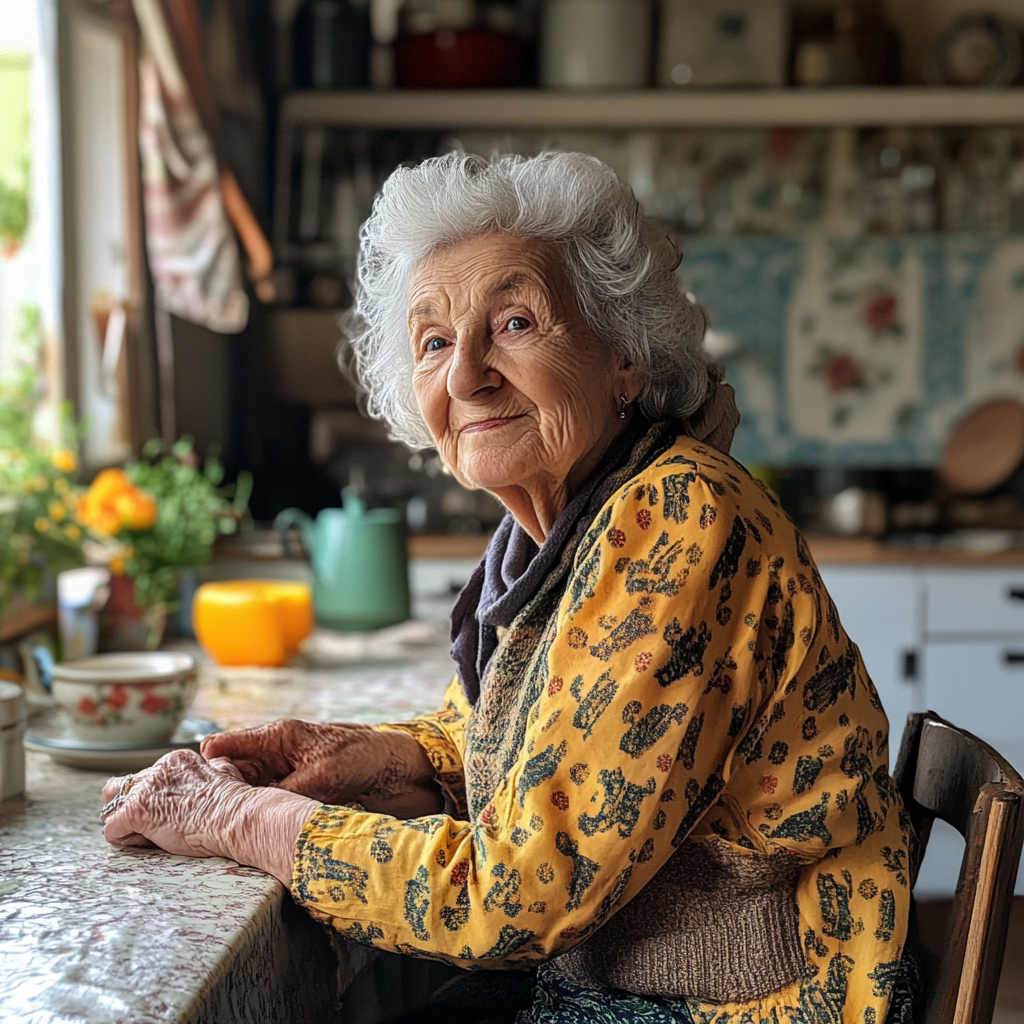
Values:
[(692, 690)]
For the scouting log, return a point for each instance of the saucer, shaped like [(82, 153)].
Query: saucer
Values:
[(75, 753)]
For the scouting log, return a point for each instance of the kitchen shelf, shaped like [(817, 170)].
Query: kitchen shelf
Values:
[(528, 108)]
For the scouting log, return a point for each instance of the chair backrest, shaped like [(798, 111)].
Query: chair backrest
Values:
[(945, 772)]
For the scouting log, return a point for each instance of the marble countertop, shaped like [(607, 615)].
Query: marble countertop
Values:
[(93, 934)]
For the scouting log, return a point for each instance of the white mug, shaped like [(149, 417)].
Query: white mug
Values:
[(596, 44)]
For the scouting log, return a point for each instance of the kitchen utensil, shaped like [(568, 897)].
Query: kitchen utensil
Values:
[(458, 59), (130, 699), (984, 448), (12, 732), (81, 593), (360, 569), (857, 512), (723, 42), (596, 44), (424, 17), (252, 622), (978, 50)]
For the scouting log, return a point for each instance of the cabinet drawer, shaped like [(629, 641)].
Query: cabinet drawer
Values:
[(879, 609), (980, 687), (974, 601)]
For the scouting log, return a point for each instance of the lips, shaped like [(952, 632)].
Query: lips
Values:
[(483, 426)]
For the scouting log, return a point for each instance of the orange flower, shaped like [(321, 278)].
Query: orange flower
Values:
[(136, 510), (64, 460), (113, 503), (117, 566)]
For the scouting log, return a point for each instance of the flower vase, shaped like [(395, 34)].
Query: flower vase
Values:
[(124, 626)]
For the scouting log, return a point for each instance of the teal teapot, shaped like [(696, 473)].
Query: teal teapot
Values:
[(358, 557)]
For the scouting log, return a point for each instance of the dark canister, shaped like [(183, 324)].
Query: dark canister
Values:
[(331, 45)]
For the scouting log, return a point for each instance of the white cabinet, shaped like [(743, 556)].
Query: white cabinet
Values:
[(974, 601), (948, 640), (979, 685), (973, 662), (880, 609)]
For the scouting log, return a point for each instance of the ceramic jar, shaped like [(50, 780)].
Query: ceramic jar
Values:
[(12, 735), (596, 44)]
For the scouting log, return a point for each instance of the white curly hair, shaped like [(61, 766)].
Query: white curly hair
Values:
[(620, 265)]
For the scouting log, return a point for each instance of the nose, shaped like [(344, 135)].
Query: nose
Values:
[(470, 371)]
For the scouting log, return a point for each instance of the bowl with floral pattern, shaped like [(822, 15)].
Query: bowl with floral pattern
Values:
[(125, 700)]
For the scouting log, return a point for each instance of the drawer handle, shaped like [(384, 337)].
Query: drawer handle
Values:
[(1013, 657), (1015, 593)]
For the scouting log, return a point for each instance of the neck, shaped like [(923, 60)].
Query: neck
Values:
[(537, 503)]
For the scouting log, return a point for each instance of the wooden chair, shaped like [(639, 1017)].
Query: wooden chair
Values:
[(945, 772)]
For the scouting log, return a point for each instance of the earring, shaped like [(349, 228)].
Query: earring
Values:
[(623, 402)]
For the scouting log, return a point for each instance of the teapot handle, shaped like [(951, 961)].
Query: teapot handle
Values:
[(296, 519)]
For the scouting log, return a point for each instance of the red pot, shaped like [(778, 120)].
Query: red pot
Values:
[(124, 626), (469, 59)]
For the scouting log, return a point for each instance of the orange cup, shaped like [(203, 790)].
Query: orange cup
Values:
[(252, 622)]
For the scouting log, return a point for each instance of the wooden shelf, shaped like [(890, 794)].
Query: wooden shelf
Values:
[(654, 108), (22, 620)]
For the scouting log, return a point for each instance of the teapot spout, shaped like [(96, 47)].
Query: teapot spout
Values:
[(295, 518)]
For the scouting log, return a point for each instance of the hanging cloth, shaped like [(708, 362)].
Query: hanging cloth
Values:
[(190, 203)]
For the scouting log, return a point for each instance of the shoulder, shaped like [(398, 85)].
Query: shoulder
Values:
[(693, 489)]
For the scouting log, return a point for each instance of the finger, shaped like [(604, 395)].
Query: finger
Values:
[(112, 787), (129, 839), (226, 767), (250, 773), (266, 748)]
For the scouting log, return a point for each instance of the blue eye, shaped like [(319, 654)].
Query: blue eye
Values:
[(436, 344), (518, 323)]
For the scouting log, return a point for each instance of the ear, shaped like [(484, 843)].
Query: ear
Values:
[(629, 379)]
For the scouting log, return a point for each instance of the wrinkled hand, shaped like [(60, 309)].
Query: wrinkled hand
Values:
[(187, 805), (385, 771)]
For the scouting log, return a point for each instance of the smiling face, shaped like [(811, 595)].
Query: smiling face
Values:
[(520, 397)]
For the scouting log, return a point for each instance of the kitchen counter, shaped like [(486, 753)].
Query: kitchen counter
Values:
[(93, 934), (866, 551), (825, 549)]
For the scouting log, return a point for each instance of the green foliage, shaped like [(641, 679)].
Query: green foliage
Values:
[(193, 510), (37, 495), (13, 215)]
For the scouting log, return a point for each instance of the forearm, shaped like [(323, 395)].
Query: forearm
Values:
[(405, 783), (261, 828)]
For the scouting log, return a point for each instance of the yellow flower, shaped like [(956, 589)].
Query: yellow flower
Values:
[(60, 485), (58, 513), (41, 525), (38, 483), (74, 532), (64, 460)]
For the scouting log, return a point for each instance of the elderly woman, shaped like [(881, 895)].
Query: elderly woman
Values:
[(661, 770)]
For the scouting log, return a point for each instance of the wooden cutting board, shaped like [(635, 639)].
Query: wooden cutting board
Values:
[(984, 448)]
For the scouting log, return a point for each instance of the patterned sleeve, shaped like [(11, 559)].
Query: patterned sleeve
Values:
[(658, 659), (442, 736)]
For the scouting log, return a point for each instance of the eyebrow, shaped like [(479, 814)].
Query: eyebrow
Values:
[(510, 283)]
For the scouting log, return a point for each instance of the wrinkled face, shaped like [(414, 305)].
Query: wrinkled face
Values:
[(513, 385)]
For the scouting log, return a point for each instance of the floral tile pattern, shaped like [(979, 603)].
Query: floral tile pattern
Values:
[(861, 351)]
